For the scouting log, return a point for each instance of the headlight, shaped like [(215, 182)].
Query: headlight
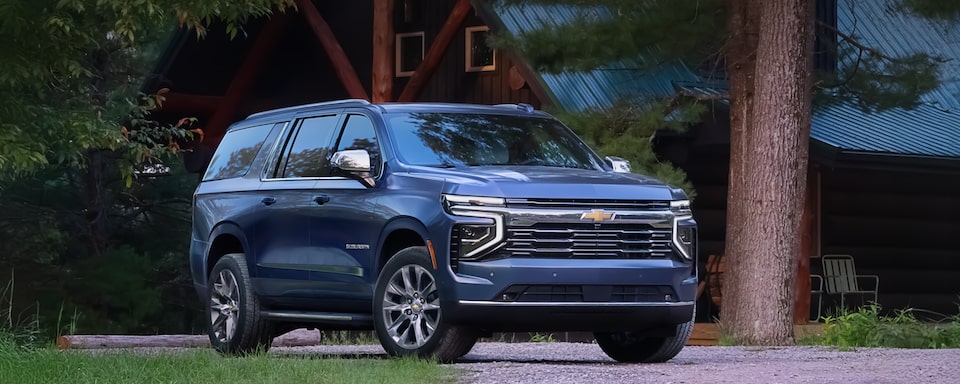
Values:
[(472, 241), (685, 238)]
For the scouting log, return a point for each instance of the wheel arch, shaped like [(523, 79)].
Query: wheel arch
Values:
[(227, 238), (398, 234)]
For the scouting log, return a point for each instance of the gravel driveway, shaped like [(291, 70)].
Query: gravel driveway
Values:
[(559, 363)]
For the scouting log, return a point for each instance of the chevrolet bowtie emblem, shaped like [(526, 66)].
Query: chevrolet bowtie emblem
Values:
[(597, 215)]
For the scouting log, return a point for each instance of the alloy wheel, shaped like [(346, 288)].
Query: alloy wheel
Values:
[(225, 306), (411, 306)]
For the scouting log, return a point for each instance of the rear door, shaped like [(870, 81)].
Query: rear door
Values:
[(287, 196)]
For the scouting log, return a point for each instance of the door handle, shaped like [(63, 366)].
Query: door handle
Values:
[(268, 200), (321, 199)]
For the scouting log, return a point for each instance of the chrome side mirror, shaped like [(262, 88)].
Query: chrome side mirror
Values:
[(352, 160), (355, 163), (619, 164)]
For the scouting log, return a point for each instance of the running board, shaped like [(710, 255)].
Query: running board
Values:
[(320, 317)]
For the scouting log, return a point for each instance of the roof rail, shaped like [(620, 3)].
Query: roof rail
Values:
[(334, 103), (520, 106)]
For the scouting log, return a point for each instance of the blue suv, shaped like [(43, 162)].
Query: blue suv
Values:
[(435, 224)]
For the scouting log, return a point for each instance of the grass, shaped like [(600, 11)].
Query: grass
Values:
[(867, 328), (348, 338), (17, 328), (24, 361), (45, 365)]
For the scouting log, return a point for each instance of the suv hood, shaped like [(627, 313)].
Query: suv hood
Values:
[(546, 183)]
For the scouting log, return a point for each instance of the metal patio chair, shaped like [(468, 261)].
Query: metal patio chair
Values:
[(816, 289), (841, 279)]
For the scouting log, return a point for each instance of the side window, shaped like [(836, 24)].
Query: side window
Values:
[(358, 133), (309, 156), (236, 152)]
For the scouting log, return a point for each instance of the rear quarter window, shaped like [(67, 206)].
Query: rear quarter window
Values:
[(236, 152)]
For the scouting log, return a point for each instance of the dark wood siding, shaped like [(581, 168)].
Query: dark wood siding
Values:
[(451, 82), (900, 226), (301, 72)]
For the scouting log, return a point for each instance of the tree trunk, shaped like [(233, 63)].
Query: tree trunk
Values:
[(768, 175), (97, 200), (743, 26)]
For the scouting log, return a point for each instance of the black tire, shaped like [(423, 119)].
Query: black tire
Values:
[(236, 326), (403, 318), (626, 347)]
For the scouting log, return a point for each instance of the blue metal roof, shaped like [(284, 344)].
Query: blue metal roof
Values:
[(932, 129), (922, 131), (879, 24)]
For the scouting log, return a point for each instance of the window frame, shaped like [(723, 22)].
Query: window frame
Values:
[(288, 138), (468, 51), (398, 56), (272, 125), (373, 122)]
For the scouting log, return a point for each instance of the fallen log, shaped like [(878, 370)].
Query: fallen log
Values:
[(295, 338)]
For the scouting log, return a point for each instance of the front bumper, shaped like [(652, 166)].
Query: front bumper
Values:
[(559, 317), (594, 295)]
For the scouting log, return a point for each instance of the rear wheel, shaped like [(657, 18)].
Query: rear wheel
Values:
[(407, 315), (628, 347), (234, 322)]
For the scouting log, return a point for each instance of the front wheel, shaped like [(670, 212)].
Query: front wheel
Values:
[(628, 347), (235, 324), (407, 315)]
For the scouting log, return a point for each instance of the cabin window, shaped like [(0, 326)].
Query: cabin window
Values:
[(480, 57), (409, 52)]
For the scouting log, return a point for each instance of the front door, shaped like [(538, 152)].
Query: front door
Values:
[(345, 226)]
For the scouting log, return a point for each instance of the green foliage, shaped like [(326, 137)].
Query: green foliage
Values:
[(943, 10), (52, 366), (867, 328), (347, 338), (90, 236), (538, 337), (138, 283), (606, 31), (877, 80), (628, 130), (72, 70), (119, 287)]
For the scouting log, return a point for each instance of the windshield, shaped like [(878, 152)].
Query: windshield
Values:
[(463, 139)]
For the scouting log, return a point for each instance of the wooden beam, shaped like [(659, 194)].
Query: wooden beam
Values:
[(384, 46), (185, 103), (244, 79), (801, 303), (341, 64), (432, 59)]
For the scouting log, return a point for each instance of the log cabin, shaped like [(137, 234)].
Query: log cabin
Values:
[(882, 186)]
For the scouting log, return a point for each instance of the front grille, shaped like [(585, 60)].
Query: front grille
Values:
[(587, 293), (588, 204), (587, 241)]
